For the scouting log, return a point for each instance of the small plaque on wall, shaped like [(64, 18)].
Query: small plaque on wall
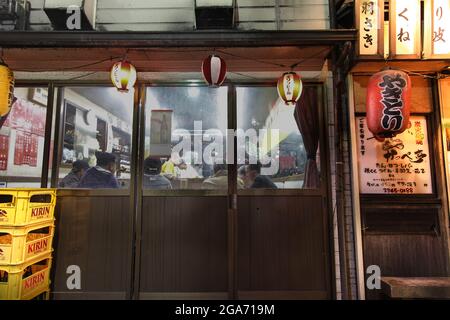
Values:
[(400, 165)]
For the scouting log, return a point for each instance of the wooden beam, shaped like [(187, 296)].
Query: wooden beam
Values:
[(222, 38)]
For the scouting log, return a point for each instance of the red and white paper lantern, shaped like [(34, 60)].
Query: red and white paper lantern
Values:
[(123, 76), (290, 87), (388, 103), (214, 70)]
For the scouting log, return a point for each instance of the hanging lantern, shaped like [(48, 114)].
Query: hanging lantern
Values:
[(290, 87), (6, 89), (123, 76), (214, 70), (388, 103)]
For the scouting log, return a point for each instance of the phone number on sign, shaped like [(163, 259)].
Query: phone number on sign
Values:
[(398, 190)]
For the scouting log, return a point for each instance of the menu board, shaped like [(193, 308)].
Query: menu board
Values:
[(27, 117), (26, 149), (400, 165)]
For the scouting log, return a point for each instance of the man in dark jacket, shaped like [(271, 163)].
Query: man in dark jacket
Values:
[(256, 180), (152, 175), (102, 175), (72, 179)]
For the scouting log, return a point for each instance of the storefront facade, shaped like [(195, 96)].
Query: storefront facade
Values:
[(400, 185), (194, 242)]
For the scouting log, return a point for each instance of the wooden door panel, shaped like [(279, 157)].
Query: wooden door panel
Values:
[(282, 244), (93, 232), (184, 244)]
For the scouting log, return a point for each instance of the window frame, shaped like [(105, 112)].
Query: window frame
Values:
[(56, 89)]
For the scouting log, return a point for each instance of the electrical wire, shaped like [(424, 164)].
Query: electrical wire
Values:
[(82, 76), (147, 51), (72, 68), (425, 76)]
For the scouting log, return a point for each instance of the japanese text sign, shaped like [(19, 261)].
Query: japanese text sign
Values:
[(400, 165), (437, 29), (369, 19), (404, 25)]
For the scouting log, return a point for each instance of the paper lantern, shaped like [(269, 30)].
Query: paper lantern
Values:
[(123, 76), (214, 70), (290, 87), (388, 103), (6, 89)]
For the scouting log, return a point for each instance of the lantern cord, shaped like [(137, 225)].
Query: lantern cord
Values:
[(82, 76), (271, 63), (426, 76), (246, 58), (71, 68), (243, 75)]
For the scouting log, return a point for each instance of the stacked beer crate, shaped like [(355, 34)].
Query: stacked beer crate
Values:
[(26, 236)]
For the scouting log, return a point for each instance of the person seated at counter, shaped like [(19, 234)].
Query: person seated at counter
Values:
[(255, 180), (219, 181), (102, 175), (152, 175), (168, 168), (72, 179), (242, 177), (186, 171)]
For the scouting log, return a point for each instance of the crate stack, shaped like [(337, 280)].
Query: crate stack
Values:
[(26, 236)]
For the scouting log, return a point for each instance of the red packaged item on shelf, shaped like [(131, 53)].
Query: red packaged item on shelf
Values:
[(4, 150)]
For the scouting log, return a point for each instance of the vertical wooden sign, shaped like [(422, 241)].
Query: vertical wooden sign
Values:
[(404, 25), (370, 24), (437, 29)]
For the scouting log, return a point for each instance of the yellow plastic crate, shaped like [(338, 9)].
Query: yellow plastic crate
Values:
[(21, 207), (20, 245), (25, 282), (43, 296)]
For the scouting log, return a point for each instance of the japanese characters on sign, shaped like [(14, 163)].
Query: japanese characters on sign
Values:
[(400, 165), (404, 27), (370, 22), (437, 29)]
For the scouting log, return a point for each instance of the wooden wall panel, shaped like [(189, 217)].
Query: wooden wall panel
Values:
[(421, 99), (94, 234), (404, 256), (282, 246), (184, 245), (445, 100)]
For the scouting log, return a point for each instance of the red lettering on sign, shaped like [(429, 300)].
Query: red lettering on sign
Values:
[(39, 212), (39, 246), (33, 281)]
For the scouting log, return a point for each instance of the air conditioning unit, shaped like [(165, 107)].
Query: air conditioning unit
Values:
[(214, 14), (8, 10), (59, 11)]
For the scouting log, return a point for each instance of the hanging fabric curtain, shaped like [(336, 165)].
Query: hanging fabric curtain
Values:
[(307, 118)]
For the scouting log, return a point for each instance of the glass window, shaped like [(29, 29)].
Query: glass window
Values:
[(271, 152), (22, 139), (96, 151), (185, 138)]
